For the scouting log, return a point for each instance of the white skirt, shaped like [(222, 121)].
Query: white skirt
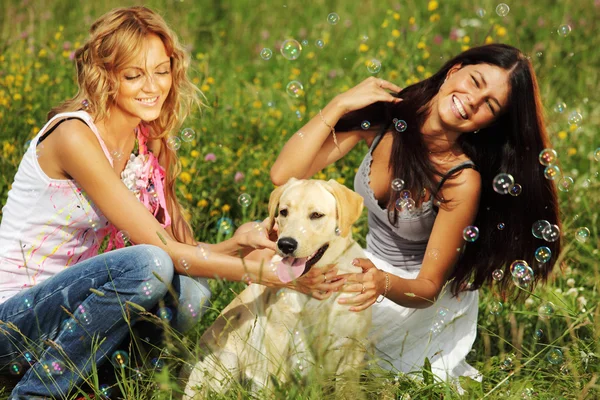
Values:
[(444, 332)]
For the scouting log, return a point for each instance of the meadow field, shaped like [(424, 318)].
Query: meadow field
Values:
[(545, 347)]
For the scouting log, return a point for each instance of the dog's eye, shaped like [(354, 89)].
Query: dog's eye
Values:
[(283, 213), (316, 215)]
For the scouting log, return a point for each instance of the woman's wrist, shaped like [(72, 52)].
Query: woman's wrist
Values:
[(384, 285)]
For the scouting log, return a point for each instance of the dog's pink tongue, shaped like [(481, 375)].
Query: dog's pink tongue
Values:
[(290, 268)]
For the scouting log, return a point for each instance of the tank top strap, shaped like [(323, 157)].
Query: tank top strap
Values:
[(378, 138), (81, 115), (455, 169)]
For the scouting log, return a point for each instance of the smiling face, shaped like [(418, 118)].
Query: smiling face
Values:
[(145, 82), (472, 97)]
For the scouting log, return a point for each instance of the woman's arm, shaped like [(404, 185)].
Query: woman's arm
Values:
[(312, 148), (81, 158), (440, 256)]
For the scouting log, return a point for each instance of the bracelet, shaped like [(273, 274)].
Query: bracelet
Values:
[(330, 128), (387, 287)]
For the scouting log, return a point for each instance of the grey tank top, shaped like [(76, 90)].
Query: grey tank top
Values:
[(404, 244)]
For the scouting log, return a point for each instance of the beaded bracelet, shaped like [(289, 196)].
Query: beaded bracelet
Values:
[(331, 128), (387, 287)]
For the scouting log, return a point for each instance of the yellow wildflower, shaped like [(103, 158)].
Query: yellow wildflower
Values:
[(426, 55), (572, 127), (277, 85), (184, 161), (194, 153), (411, 21), (489, 40), (310, 55), (257, 104), (205, 88), (7, 148), (196, 80), (363, 47), (188, 196), (214, 212), (434, 17), (385, 23), (396, 16), (562, 134), (57, 36), (501, 31), (396, 33), (210, 80), (17, 97), (296, 71), (464, 47), (185, 177), (259, 184), (256, 172), (421, 45), (420, 68), (390, 44), (202, 203), (341, 180), (466, 39), (226, 208), (42, 53), (433, 5), (572, 151)]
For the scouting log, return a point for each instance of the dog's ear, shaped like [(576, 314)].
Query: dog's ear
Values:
[(349, 205), (274, 201)]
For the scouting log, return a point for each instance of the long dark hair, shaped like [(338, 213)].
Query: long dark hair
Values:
[(510, 145)]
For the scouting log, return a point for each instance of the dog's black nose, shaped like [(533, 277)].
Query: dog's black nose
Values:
[(287, 245)]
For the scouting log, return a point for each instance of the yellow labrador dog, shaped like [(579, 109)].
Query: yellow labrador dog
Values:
[(266, 332)]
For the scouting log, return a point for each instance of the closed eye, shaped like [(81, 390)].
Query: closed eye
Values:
[(475, 81), (130, 78), (316, 215)]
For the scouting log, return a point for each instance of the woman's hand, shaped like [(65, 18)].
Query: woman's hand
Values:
[(258, 237), (369, 91), (368, 285), (319, 283)]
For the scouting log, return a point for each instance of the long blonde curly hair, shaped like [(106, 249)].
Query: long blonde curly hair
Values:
[(116, 38)]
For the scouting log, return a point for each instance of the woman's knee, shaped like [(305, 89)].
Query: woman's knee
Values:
[(193, 299), (157, 270)]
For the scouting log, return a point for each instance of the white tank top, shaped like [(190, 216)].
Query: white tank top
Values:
[(47, 224)]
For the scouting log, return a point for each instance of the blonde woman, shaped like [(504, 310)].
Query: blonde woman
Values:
[(77, 189)]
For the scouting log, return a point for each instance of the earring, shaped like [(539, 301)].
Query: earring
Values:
[(476, 131), (337, 231)]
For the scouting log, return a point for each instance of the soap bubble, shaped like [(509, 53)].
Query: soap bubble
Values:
[(575, 117), (497, 275), (400, 125), (244, 200), (55, 368), (582, 234), (538, 334), (185, 264), (543, 254), (405, 194), (555, 357), (120, 359), (333, 18), (503, 182), (202, 251), (471, 233), (82, 315), (291, 49), (365, 125), (507, 364), (480, 13), (16, 369), (495, 307), (501, 226), (524, 278), (560, 107), (157, 363), (515, 190), (597, 154), (551, 233), (225, 225), (405, 204), (165, 313), (320, 43), (564, 30), (518, 267), (552, 172), (187, 135), (502, 9), (174, 143), (124, 236), (548, 157), (565, 184), (295, 89), (105, 390), (538, 228), (546, 310), (397, 185), (266, 54), (373, 65)]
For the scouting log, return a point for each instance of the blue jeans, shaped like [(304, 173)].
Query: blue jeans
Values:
[(81, 315)]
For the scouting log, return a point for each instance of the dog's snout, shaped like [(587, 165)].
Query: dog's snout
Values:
[(287, 245)]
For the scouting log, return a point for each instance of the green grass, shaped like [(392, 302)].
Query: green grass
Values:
[(250, 116)]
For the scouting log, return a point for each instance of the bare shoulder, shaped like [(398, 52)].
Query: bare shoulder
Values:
[(466, 185)]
